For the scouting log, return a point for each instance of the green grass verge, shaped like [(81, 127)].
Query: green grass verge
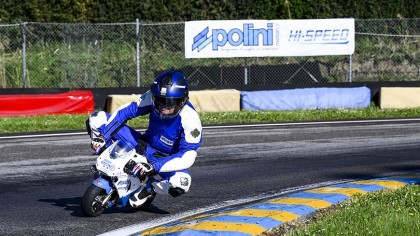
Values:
[(386, 212), (77, 122)]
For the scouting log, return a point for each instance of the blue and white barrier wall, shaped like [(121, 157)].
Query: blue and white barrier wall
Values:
[(307, 98), (231, 100)]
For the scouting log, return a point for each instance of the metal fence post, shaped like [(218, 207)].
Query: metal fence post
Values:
[(23, 54), (350, 68), (138, 51), (245, 71)]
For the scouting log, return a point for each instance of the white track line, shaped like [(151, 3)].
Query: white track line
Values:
[(234, 126)]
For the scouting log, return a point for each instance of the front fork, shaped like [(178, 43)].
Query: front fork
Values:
[(107, 198), (104, 184)]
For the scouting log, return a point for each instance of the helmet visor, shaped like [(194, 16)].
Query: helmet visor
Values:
[(168, 103)]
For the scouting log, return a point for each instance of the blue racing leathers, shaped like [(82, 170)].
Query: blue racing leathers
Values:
[(172, 143)]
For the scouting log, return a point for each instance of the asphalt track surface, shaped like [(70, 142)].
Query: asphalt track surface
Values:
[(43, 178)]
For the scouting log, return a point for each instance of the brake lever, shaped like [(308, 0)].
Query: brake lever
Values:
[(99, 151)]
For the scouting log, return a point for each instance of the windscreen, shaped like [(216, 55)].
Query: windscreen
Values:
[(121, 149)]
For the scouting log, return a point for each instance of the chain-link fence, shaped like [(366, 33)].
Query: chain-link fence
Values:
[(54, 55)]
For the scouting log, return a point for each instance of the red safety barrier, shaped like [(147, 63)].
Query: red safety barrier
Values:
[(73, 102)]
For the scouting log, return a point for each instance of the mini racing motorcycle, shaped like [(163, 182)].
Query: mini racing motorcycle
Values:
[(113, 184)]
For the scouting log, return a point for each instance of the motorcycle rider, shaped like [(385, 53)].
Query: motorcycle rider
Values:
[(170, 141)]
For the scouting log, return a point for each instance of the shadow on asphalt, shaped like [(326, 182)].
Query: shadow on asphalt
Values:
[(73, 205)]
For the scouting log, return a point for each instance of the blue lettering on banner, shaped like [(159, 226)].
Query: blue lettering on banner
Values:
[(320, 36), (247, 36)]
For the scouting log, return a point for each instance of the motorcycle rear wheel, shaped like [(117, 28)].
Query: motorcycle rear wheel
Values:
[(92, 201)]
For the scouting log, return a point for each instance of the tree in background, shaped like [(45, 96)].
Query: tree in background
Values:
[(46, 11), (98, 11)]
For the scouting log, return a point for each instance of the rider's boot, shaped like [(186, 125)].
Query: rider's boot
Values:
[(139, 198)]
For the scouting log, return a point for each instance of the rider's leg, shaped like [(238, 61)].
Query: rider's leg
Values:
[(95, 121), (173, 183), (99, 119)]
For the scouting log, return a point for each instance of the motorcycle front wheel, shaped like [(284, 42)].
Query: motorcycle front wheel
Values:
[(92, 201)]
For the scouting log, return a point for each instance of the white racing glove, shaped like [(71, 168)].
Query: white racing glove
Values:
[(97, 144), (140, 170)]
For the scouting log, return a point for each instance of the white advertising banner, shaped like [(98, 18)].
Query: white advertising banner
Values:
[(269, 38)]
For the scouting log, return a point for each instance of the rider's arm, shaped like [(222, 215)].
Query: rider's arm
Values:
[(190, 142), (124, 113)]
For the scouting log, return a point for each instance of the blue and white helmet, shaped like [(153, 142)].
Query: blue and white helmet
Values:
[(169, 90)]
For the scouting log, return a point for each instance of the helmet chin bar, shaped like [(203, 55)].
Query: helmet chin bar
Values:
[(169, 116)]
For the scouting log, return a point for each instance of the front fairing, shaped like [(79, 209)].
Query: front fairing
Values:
[(111, 163)]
